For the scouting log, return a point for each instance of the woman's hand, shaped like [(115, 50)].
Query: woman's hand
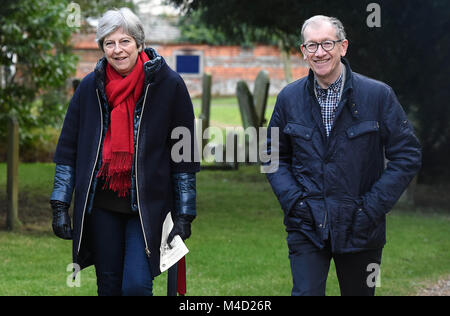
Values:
[(61, 220), (181, 227)]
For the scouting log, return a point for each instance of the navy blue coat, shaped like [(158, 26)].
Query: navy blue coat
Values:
[(164, 105), (340, 184)]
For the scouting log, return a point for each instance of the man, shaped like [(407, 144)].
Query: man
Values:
[(335, 129)]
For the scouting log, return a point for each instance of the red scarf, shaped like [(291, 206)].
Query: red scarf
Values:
[(118, 148)]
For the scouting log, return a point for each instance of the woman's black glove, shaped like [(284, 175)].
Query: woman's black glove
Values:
[(181, 227), (61, 220)]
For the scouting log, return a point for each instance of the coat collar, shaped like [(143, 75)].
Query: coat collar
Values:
[(347, 98), (347, 93), (348, 81)]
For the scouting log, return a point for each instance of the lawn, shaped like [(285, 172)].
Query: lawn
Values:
[(225, 111), (237, 246)]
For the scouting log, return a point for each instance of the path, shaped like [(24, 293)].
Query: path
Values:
[(440, 288)]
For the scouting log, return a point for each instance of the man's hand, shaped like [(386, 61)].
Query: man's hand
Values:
[(302, 210), (61, 220), (181, 227)]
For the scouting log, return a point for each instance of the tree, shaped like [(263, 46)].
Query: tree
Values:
[(194, 30), (409, 51), (197, 26), (36, 60), (35, 57), (94, 9)]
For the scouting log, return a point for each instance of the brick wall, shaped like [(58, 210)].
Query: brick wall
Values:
[(226, 64)]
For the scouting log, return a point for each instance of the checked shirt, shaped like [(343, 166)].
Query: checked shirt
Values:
[(328, 100)]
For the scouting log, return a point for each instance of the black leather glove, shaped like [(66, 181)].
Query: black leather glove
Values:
[(61, 220), (181, 227)]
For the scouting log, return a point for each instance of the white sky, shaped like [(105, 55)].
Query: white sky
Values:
[(155, 7)]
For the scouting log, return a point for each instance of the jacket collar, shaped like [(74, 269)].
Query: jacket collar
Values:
[(347, 98), (348, 82), (153, 67), (347, 92)]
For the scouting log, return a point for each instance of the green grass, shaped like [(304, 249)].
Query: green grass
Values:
[(225, 111), (238, 242), (237, 246)]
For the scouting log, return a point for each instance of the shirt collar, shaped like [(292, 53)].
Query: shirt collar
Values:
[(335, 87)]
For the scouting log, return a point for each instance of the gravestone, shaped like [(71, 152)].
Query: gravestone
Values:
[(246, 105), (205, 119), (253, 106), (260, 95), (206, 106)]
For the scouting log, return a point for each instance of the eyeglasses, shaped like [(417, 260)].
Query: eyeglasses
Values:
[(326, 45)]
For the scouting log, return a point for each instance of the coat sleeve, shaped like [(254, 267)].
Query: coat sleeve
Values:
[(403, 152), (279, 174), (66, 150), (184, 188), (183, 145), (66, 153), (63, 184)]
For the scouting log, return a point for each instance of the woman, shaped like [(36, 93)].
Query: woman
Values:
[(115, 153)]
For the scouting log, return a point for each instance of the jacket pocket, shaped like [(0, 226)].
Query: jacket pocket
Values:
[(301, 216), (362, 128), (354, 225), (357, 230), (297, 130), (362, 228)]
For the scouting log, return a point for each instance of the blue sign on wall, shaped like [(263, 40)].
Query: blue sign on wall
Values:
[(188, 64)]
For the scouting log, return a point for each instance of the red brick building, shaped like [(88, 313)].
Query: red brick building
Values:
[(226, 64)]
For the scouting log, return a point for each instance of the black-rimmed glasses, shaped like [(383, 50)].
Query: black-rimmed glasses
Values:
[(326, 45)]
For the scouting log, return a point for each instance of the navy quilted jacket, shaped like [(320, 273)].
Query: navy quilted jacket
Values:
[(341, 184)]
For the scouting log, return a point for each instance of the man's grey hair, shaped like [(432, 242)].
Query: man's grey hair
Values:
[(120, 18), (317, 19)]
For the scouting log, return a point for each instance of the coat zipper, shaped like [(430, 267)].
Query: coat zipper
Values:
[(326, 206), (147, 250), (92, 173)]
